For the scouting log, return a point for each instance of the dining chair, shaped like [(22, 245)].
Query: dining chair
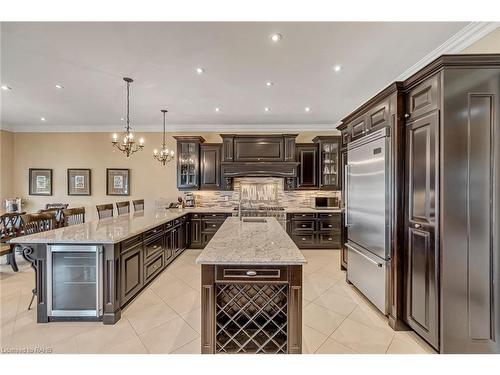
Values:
[(36, 223), (104, 210), (9, 227), (138, 205), (57, 211), (123, 207), (72, 216)]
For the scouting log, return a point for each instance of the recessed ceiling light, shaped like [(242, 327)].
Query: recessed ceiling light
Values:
[(42, 118), (337, 68), (59, 86), (307, 109), (217, 109), (267, 109), (276, 37), (5, 87), (200, 70), (269, 83)]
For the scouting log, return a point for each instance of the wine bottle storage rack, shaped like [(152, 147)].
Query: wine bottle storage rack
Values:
[(251, 318)]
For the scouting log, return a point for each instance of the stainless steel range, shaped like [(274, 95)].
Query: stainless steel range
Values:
[(277, 212)]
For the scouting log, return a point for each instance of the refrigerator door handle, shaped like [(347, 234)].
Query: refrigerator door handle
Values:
[(378, 264), (346, 189)]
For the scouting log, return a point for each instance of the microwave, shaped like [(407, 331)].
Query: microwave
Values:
[(326, 202)]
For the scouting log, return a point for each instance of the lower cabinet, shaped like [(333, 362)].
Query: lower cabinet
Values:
[(196, 242), (132, 272), (315, 230)]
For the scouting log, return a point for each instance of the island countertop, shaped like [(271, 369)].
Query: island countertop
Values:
[(244, 242), (105, 231)]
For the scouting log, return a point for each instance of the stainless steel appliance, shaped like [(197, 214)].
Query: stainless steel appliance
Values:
[(326, 202), (368, 212), (74, 281)]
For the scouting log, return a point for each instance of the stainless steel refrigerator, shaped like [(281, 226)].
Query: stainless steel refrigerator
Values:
[(367, 218)]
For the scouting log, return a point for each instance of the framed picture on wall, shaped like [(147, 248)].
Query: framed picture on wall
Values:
[(79, 181), (40, 181), (117, 181)]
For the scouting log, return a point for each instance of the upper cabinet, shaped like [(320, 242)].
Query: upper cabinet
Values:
[(251, 148), (188, 162), (210, 166), (307, 173), (329, 155)]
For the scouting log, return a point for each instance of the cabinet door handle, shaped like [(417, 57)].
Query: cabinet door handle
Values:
[(330, 238), (407, 115), (251, 273), (417, 226), (303, 225), (303, 238), (329, 225)]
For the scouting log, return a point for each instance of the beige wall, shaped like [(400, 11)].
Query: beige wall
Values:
[(59, 151), (487, 44), (6, 164)]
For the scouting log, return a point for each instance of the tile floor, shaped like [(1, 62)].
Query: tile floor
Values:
[(165, 318)]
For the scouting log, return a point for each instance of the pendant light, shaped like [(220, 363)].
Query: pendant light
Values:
[(128, 145), (164, 156)]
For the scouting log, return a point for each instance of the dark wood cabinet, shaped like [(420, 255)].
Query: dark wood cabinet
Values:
[(210, 159), (343, 228), (227, 147), (188, 162), (196, 241), (314, 230), (252, 148), (289, 144), (422, 261), (132, 272), (329, 162), (307, 172)]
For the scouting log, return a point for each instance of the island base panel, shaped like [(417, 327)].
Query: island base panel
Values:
[(256, 313)]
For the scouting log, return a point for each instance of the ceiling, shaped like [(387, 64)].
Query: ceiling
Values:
[(89, 60)]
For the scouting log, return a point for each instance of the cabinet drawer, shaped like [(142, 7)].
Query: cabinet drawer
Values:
[(153, 267), (303, 239), (211, 225), (153, 232), (154, 246), (303, 225), (330, 240), (329, 225), (169, 225), (131, 243), (251, 273), (330, 216), (423, 98), (216, 216), (378, 116), (303, 216)]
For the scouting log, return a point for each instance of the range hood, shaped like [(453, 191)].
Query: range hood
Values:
[(260, 169)]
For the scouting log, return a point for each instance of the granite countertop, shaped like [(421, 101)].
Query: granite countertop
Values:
[(104, 231), (119, 228), (240, 242)]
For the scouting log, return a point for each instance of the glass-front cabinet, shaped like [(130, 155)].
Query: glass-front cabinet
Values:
[(188, 162), (329, 153)]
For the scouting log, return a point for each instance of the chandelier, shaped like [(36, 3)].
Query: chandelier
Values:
[(128, 145), (164, 156)]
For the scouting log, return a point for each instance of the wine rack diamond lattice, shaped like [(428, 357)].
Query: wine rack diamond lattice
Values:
[(251, 318)]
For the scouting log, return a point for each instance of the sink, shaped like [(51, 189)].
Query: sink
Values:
[(254, 220)]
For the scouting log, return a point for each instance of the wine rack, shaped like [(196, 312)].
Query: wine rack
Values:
[(251, 318)]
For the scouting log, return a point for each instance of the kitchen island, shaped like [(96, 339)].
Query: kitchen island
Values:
[(251, 289)]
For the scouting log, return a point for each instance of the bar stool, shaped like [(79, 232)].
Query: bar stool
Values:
[(104, 210), (72, 216), (123, 207), (138, 205)]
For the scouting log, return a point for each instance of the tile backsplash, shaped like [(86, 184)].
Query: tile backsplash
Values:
[(265, 190)]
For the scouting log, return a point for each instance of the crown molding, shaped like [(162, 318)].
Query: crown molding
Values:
[(173, 128), (456, 44)]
